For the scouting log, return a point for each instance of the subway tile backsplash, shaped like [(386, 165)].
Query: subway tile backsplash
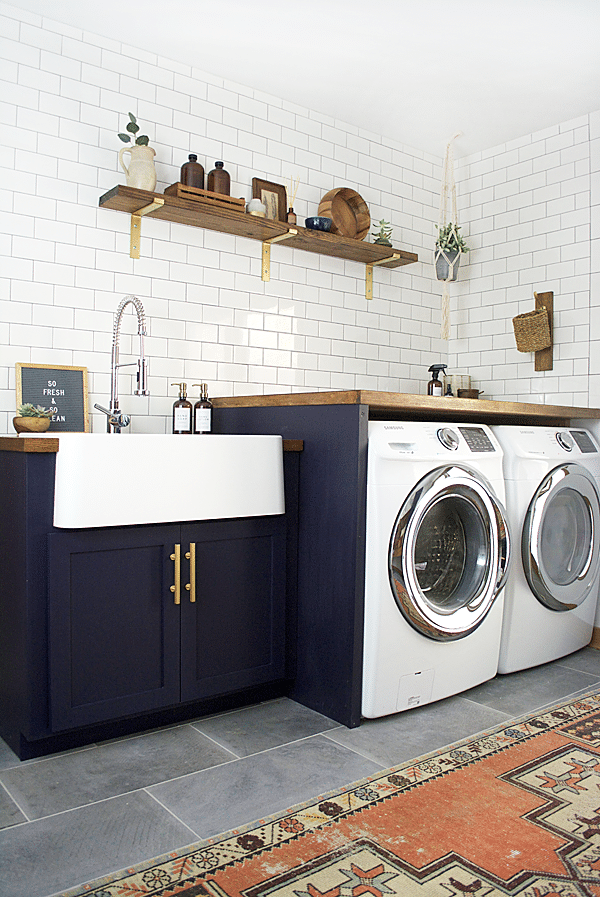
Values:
[(530, 211)]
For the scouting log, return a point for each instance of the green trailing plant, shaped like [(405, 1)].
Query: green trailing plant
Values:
[(449, 239), (132, 127), (384, 234), (29, 410)]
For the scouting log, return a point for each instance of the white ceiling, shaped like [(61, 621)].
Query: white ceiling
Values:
[(416, 71)]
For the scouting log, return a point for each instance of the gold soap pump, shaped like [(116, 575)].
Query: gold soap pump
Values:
[(182, 411), (202, 411)]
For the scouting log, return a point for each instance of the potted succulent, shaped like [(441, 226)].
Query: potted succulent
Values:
[(383, 236), (32, 418), (449, 246), (141, 173)]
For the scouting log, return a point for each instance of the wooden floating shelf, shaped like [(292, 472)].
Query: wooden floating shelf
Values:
[(206, 214)]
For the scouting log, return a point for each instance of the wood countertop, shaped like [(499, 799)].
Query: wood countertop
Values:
[(51, 444), (382, 405), (421, 407)]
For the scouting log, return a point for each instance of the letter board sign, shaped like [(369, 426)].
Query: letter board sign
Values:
[(63, 389)]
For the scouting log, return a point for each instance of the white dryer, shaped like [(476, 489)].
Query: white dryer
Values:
[(437, 552), (552, 476)]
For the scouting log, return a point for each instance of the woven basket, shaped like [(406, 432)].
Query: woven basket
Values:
[(532, 331)]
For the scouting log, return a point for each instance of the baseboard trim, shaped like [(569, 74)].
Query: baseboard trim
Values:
[(595, 642)]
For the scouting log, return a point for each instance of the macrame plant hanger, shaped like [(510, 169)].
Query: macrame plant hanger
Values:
[(448, 197)]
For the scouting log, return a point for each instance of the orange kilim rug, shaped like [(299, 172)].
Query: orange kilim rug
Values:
[(513, 811)]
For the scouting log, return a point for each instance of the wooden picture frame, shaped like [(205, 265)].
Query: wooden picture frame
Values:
[(273, 196), (60, 387)]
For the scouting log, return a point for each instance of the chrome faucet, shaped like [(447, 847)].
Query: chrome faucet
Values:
[(115, 419)]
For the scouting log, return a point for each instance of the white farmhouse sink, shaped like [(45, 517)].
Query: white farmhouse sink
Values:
[(107, 479)]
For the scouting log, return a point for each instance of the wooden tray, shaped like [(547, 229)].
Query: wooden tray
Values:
[(184, 192)]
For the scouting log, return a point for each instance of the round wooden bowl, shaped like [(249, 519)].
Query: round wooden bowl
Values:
[(348, 211), (31, 424)]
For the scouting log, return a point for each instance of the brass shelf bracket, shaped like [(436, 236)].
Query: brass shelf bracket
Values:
[(265, 273), (369, 273), (136, 226)]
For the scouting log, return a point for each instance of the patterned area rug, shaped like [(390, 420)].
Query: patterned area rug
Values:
[(514, 811)]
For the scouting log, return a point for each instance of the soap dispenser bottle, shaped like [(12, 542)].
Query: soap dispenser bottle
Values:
[(182, 411), (434, 387), (202, 411)]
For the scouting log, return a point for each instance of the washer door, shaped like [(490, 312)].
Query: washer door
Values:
[(559, 544), (449, 553)]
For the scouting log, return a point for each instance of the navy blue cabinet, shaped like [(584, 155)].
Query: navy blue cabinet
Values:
[(143, 618)]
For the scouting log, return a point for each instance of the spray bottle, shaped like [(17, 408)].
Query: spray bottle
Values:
[(434, 387)]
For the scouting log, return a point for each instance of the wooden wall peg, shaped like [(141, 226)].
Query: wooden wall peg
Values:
[(544, 358)]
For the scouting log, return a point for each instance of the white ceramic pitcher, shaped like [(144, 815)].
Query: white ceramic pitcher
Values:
[(141, 173)]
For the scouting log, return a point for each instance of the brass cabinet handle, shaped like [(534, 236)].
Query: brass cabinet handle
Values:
[(176, 589), (191, 585)]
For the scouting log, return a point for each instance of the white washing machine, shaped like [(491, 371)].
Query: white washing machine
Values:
[(552, 476), (437, 553)]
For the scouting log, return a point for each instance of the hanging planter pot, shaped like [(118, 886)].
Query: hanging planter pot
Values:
[(446, 264)]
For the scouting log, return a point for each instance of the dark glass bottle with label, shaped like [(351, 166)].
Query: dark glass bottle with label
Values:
[(218, 180), (192, 173), (182, 411), (203, 411)]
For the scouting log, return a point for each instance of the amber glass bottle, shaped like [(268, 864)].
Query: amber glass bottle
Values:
[(218, 180), (203, 411), (192, 173), (182, 411)]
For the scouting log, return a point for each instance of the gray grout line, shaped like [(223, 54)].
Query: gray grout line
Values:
[(196, 835), (17, 805)]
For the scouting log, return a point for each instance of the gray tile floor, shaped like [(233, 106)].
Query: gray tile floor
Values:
[(72, 817)]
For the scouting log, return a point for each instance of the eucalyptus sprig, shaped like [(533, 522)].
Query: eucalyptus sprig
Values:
[(29, 410), (133, 128)]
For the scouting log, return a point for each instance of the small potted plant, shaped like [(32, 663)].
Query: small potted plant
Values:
[(141, 173), (449, 246), (32, 418), (383, 236)]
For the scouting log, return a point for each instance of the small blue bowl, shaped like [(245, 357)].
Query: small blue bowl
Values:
[(318, 223)]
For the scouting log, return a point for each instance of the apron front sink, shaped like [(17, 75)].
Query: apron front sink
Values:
[(118, 480)]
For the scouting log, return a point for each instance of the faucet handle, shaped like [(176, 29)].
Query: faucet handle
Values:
[(142, 378), (115, 419)]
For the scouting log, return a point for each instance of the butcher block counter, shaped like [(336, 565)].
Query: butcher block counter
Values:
[(397, 405), (332, 513)]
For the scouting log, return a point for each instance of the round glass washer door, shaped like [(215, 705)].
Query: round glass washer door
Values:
[(449, 553), (559, 542)]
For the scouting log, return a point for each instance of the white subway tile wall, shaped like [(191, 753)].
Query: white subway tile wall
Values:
[(530, 211), (531, 214)]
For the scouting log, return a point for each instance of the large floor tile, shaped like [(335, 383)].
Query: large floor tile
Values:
[(230, 796), (264, 726), (528, 690), (60, 852), (587, 661), (394, 739), (78, 778), (9, 811)]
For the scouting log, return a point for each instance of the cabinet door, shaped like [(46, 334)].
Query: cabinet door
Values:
[(233, 635), (113, 624)]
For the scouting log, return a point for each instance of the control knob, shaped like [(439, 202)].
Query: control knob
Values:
[(448, 438)]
